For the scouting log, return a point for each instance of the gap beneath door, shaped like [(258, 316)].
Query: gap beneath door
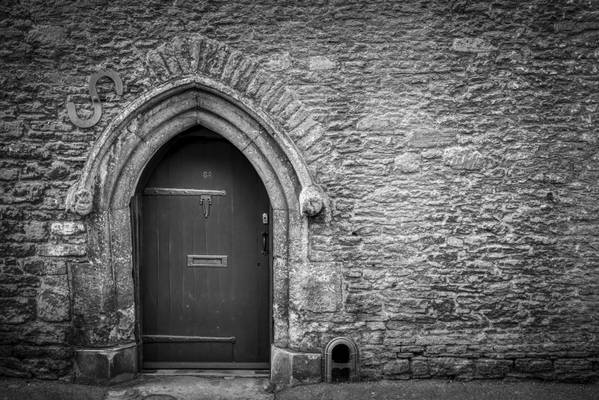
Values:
[(221, 373)]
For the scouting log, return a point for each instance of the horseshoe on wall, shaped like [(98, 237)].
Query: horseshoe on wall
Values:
[(93, 93)]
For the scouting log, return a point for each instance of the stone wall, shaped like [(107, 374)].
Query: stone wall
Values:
[(458, 148)]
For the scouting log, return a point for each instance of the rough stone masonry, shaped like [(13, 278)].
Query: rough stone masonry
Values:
[(456, 143)]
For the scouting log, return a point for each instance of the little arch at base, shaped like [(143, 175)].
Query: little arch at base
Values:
[(104, 300)]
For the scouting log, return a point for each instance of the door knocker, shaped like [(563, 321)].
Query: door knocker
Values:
[(93, 93), (206, 202)]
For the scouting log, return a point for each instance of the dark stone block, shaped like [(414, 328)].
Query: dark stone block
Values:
[(533, 365), (92, 366), (53, 305), (396, 367), (492, 368), (13, 367), (450, 367), (306, 367), (16, 310), (420, 368)]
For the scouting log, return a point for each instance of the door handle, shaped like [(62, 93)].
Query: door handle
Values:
[(265, 243)]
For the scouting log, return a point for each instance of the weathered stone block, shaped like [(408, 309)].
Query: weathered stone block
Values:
[(363, 303), (16, 310), (63, 250), (320, 63), (67, 228), (278, 62), (280, 367), (43, 333), (407, 163), (9, 174), (58, 171), (533, 365), (41, 266), (376, 123), (53, 305), (420, 368), (451, 367), (290, 368), (306, 367), (463, 158), (492, 368), (396, 367), (570, 365), (12, 367), (472, 45), (575, 370), (107, 365), (49, 35), (318, 288)]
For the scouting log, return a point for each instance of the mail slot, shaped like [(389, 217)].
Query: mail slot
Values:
[(341, 360), (195, 260)]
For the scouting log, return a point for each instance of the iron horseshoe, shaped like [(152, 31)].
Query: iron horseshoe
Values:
[(93, 93)]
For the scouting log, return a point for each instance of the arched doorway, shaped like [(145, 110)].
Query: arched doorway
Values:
[(106, 301), (203, 261)]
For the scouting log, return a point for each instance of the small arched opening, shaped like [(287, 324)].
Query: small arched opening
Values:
[(341, 360)]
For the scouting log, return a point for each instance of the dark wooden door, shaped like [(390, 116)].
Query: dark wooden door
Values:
[(204, 268)]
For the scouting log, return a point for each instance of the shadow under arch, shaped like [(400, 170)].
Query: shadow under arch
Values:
[(104, 299)]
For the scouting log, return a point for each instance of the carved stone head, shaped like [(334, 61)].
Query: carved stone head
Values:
[(81, 202), (311, 201)]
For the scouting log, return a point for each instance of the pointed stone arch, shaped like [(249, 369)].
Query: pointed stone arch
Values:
[(197, 82)]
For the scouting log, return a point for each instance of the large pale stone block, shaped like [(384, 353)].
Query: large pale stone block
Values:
[(290, 368), (106, 365)]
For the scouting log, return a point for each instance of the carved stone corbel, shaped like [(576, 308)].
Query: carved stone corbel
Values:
[(311, 200), (79, 201)]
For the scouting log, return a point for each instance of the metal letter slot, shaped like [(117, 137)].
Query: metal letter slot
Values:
[(194, 260)]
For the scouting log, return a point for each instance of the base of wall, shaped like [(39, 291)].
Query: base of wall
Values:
[(289, 368), (106, 365), (119, 363)]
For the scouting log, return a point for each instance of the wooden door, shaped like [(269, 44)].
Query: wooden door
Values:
[(204, 275)]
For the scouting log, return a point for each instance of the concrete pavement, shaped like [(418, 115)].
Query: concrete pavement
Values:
[(443, 390), (247, 388)]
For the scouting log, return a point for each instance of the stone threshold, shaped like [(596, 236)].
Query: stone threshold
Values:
[(213, 373)]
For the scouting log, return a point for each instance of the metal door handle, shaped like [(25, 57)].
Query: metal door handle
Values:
[(265, 243)]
